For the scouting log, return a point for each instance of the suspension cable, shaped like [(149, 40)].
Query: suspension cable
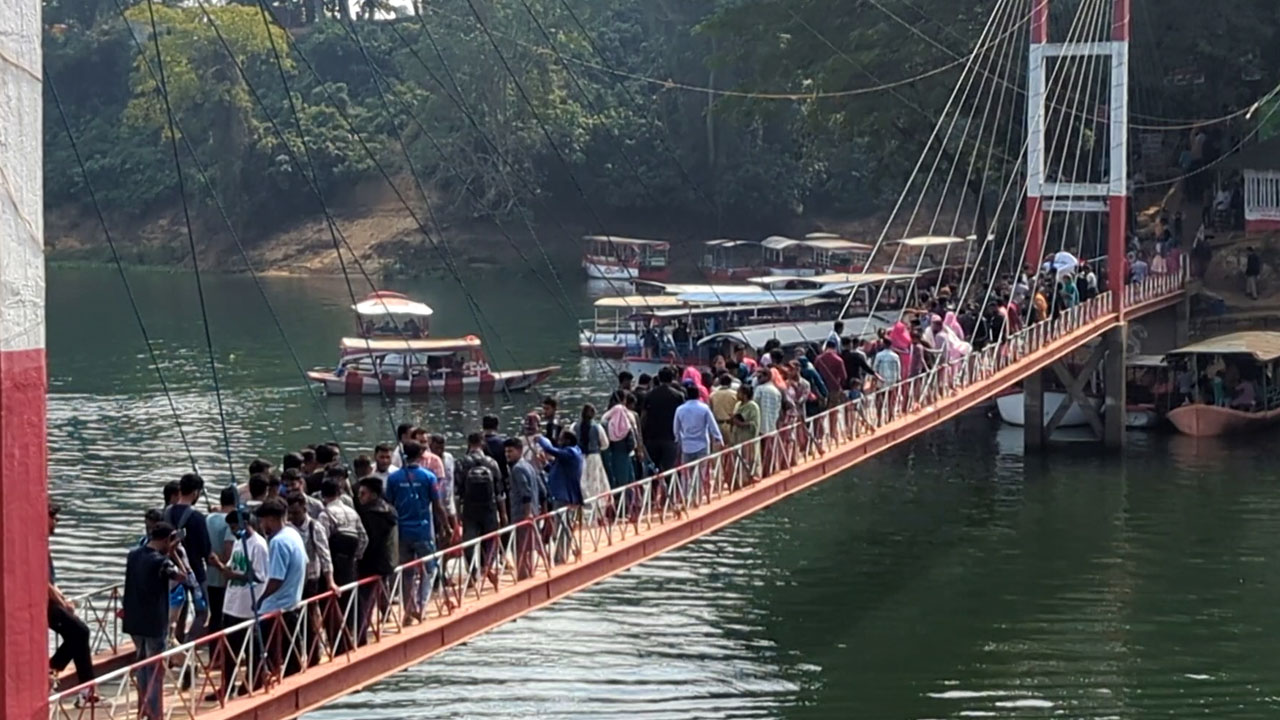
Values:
[(191, 239), (115, 257), (235, 236)]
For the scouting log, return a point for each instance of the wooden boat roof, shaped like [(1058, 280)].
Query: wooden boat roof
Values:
[(1263, 346), (424, 345)]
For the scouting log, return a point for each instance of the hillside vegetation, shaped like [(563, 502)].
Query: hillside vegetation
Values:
[(522, 110)]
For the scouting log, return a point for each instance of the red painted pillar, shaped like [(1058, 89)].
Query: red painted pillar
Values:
[(24, 660), (1118, 205), (1035, 203), (1035, 233)]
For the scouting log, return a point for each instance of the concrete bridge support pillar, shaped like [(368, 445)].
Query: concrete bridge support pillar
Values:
[(1034, 436), (1114, 340), (1182, 323)]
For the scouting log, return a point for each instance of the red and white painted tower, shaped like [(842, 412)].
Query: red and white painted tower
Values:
[(1110, 196), (24, 663)]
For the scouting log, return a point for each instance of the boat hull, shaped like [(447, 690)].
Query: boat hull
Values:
[(639, 365), (482, 384), (729, 274), (1214, 421), (604, 269), (598, 269), (612, 345), (1012, 405)]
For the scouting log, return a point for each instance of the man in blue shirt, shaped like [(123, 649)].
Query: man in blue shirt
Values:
[(412, 490), (564, 487), (286, 573), (695, 428)]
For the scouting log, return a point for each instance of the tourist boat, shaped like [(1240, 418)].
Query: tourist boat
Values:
[(1146, 409), (1240, 357), (816, 254), (405, 366), (729, 260), (609, 257), (392, 314)]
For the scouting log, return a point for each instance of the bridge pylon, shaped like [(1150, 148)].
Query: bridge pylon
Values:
[(1051, 192)]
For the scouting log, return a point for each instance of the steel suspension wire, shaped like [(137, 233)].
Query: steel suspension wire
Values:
[(440, 246), (955, 163), (115, 258), (951, 101), (1082, 25), (631, 164), (191, 240), (980, 227), (235, 236), (312, 179), (563, 299), (666, 146), (1076, 31), (628, 160)]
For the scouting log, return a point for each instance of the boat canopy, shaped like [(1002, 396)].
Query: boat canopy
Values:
[(780, 242), (717, 309), (760, 297), (1263, 346), (639, 301), (814, 241), (728, 243), (391, 303), (928, 241), (835, 244), (680, 288), (1145, 361), (830, 279), (635, 242), (433, 346), (792, 334)]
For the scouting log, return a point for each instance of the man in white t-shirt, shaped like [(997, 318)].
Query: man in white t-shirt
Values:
[(245, 574)]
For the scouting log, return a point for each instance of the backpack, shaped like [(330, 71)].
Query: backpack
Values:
[(477, 489)]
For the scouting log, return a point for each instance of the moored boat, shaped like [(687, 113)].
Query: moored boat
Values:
[(729, 260), (1233, 388), (415, 366), (609, 257), (1148, 389)]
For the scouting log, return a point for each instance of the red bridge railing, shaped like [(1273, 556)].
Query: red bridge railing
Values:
[(250, 659)]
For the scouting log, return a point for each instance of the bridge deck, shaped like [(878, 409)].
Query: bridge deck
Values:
[(498, 578)]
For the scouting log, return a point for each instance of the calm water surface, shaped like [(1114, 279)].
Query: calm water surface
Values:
[(949, 578)]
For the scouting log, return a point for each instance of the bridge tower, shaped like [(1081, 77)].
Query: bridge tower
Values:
[(1068, 195)]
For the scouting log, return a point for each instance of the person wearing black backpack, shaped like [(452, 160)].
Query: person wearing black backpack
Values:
[(194, 531), (480, 514)]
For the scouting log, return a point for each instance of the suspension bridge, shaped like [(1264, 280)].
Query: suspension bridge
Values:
[(1070, 163)]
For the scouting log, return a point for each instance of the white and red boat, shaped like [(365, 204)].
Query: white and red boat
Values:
[(609, 257), (420, 366), (1243, 357), (816, 254), (729, 260)]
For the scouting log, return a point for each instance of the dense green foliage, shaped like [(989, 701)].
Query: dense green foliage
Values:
[(489, 134)]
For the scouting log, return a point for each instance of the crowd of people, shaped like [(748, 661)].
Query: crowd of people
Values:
[(316, 523)]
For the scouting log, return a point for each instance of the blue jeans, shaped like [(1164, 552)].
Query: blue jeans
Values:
[(150, 677), (415, 584)]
